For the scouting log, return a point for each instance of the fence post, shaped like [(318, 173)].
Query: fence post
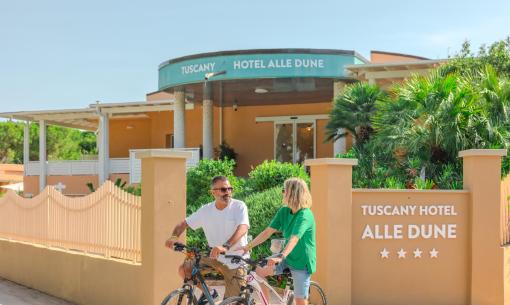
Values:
[(482, 177), (331, 184), (163, 206)]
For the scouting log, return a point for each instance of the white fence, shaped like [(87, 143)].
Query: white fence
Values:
[(135, 173), (131, 166)]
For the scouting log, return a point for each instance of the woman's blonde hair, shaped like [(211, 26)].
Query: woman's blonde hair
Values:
[(297, 196)]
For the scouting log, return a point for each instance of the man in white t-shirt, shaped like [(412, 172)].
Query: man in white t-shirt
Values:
[(225, 223)]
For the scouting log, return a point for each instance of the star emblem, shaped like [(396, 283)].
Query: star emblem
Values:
[(433, 253), (417, 253), (384, 253), (401, 253)]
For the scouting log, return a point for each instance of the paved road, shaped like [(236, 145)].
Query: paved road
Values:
[(14, 294)]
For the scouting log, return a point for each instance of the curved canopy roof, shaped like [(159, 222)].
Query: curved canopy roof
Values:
[(257, 64)]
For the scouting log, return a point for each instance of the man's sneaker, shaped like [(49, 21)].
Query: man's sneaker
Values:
[(203, 298)]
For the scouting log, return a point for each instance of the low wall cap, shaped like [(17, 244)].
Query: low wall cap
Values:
[(162, 153), (331, 161), (483, 153)]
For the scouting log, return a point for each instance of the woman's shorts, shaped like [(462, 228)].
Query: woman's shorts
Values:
[(300, 278)]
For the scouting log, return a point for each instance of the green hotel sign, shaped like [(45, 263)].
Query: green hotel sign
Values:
[(246, 66)]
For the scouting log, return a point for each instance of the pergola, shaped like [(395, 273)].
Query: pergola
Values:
[(385, 74), (93, 118)]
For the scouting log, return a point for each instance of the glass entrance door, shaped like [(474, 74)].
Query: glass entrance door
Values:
[(294, 141)]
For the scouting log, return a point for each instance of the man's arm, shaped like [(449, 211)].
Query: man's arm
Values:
[(240, 231), (178, 230)]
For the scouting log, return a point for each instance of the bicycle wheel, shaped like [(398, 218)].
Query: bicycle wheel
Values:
[(316, 295), (236, 301), (180, 296)]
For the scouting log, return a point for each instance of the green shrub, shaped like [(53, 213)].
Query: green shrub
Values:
[(131, 189), (261, 209), (394, 183), (270, 174), (450, 178), (350, 154), (225, 151), (198, 182), (423, 184)]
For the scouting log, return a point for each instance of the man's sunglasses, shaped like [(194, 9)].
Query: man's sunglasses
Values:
[(224, 189)]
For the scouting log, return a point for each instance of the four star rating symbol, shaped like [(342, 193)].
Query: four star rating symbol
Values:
[(385, 254), (401, 253)]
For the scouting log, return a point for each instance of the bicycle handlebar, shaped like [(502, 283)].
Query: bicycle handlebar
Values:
[(236, 259), (180, 247)]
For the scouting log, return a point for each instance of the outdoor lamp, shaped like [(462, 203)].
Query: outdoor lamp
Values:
[(213, 74)]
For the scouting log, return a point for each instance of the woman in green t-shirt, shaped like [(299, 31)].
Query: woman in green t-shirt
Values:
[(296, 222)]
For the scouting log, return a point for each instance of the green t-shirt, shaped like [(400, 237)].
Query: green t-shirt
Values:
[(302, 225)]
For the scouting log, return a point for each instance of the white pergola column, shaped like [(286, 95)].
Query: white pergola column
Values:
[(42, 155), (340, 145), (207, 122), (179, 118), (104, 149), (26, 146)]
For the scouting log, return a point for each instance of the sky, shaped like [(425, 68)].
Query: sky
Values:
[(68, 54)]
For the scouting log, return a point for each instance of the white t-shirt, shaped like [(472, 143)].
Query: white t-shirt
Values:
[(220, 225)]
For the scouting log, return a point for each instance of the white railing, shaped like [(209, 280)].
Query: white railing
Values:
[(135, 173), (131, 166), (64, 168)]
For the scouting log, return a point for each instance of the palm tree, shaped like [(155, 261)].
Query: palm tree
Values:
[(432, 118), (353, 110)]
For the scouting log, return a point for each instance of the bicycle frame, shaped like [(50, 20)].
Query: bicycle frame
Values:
[(255, 281), (196, 277), (195, 274)]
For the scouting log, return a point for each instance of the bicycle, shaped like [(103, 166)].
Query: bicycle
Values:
[(186, 294), (254, 282)]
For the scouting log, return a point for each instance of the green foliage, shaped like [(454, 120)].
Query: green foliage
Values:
[(423, 184), (496, 55), (226, 152), (353, 111), (62, 143), (199, 178), (394, 183), (90, 187), (350, 154), (262, 207), (11, 142), (419, 128), (271, 174), (450, 177), (131, 189)]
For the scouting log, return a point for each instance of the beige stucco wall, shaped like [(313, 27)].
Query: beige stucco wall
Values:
[(383, 57), (75, 185), (76, 277), (426, 280), (126, 134), (506, 264), (252, 141)]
